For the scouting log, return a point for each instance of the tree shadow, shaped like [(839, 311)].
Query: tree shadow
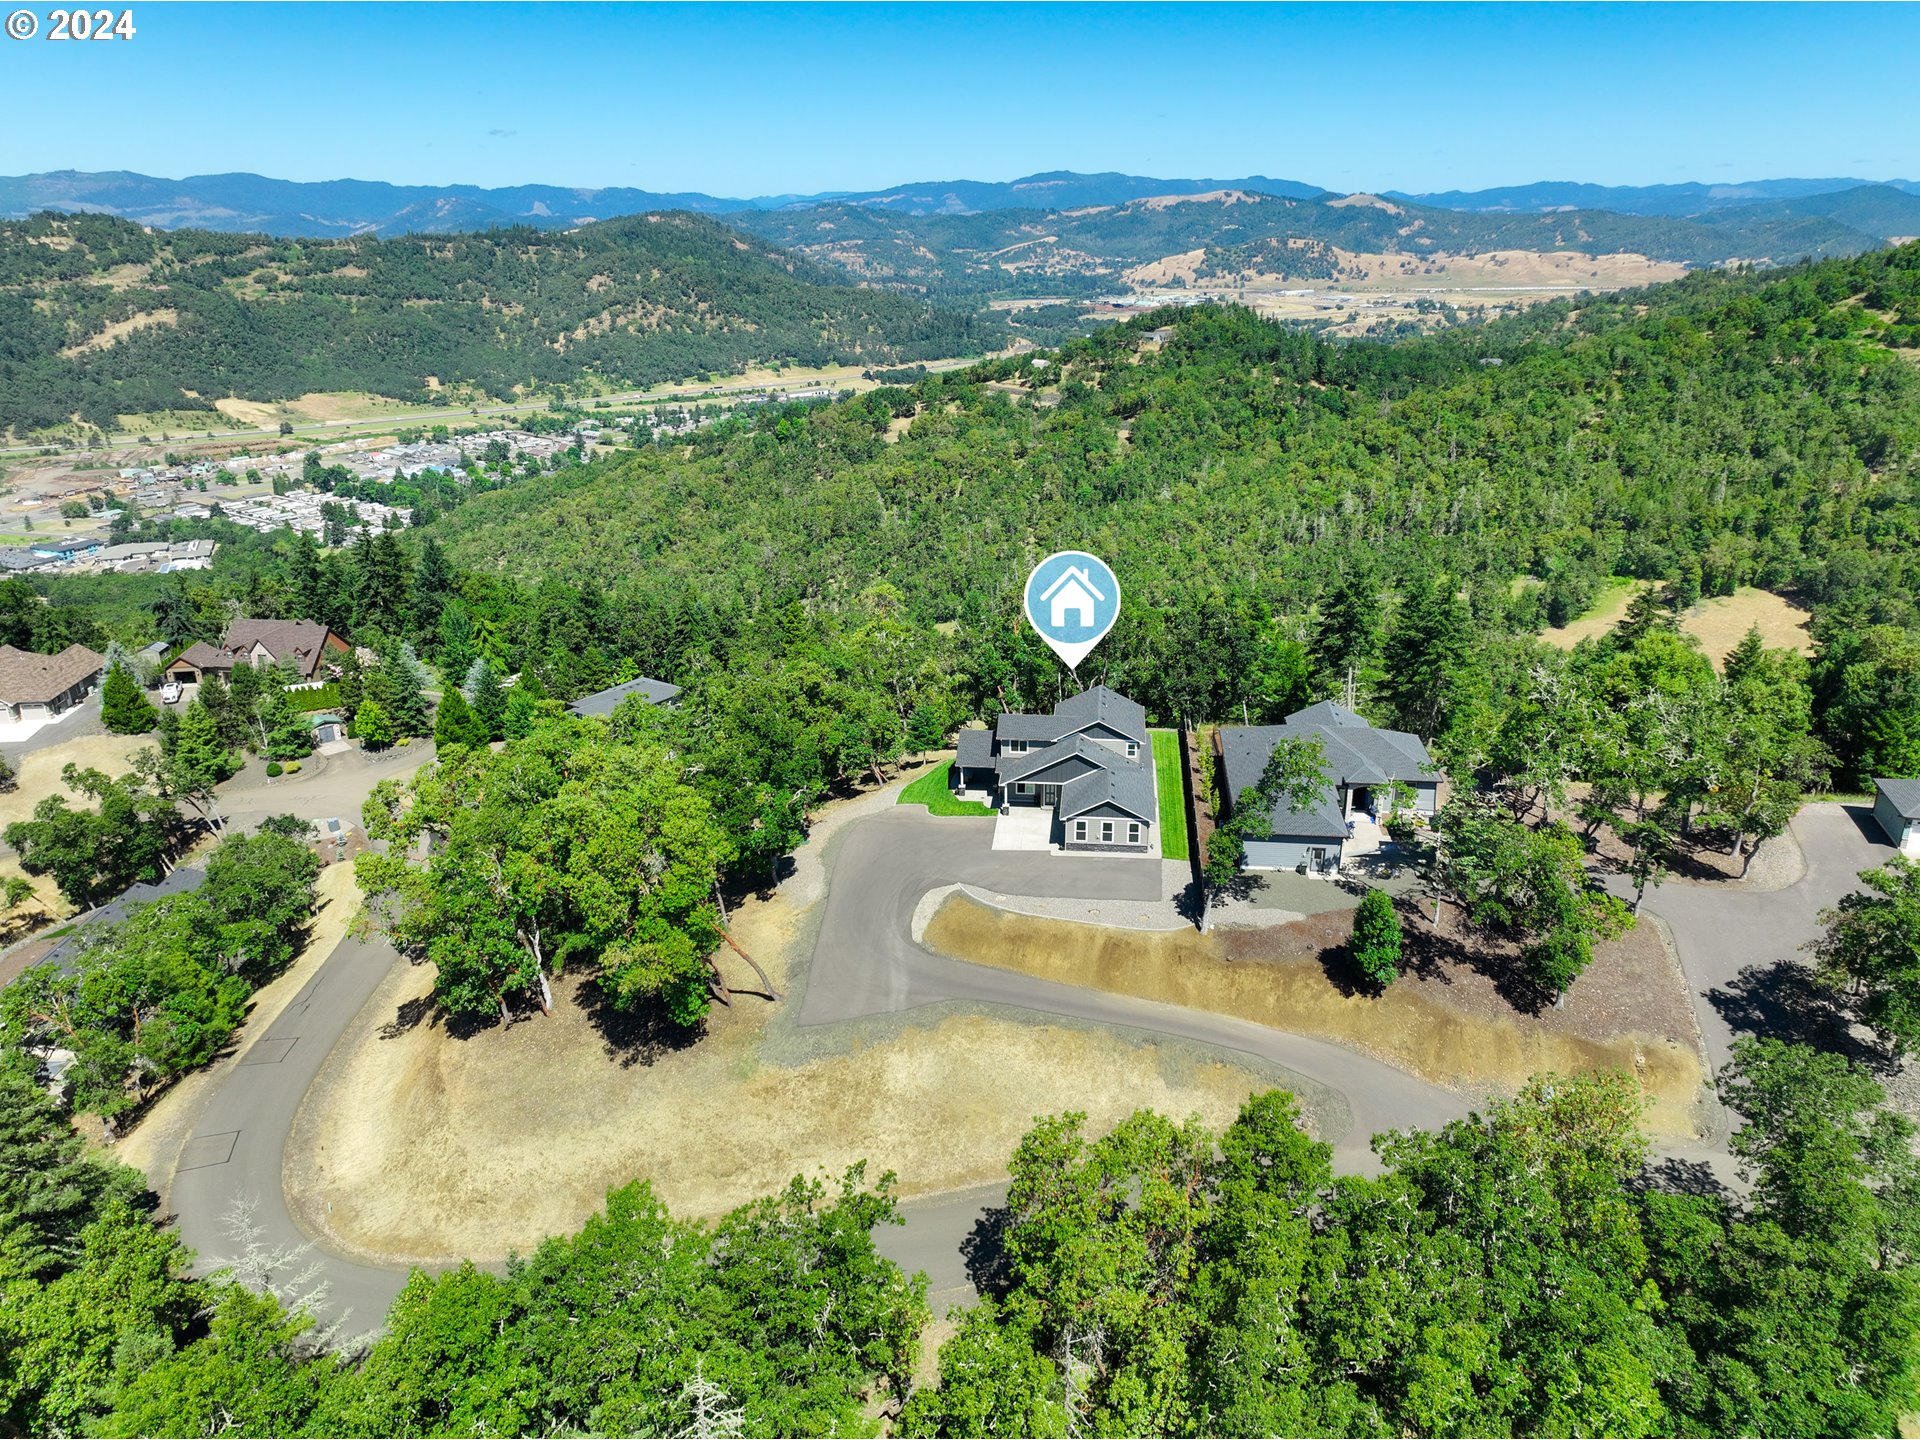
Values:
[(1674, 1176), (425, 1010), (1431, 953), (1781, 1000), (984, 1253), (640, 1036)]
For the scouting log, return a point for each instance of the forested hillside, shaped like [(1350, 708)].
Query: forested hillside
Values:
[(1089, 249), (99, 318)]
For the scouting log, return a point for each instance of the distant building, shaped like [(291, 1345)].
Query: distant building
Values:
[(39, 687), (306, 644), (604, 702), (1896, 806)]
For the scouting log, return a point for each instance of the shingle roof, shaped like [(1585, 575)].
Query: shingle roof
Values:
[(30, 678), (1905, 795), (302, 641), (1128, 785), (1010, 768), (973, 749), (1098, 706), (1356, 754), (604, 702)]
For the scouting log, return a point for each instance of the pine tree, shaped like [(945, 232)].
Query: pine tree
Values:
[(488, 698), (1429, 657), (455, 724), (124, 708), (1348, 635)]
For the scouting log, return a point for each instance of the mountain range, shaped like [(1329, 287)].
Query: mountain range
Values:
[(246, 202)]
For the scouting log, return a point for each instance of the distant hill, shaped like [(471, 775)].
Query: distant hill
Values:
[(100, 318), (1883, 211), (329, 208), (1234, 235), (1692, 198)]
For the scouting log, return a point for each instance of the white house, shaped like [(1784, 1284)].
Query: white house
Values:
[(1896, 806), (1073, 590)]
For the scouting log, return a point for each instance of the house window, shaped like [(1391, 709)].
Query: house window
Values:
[(1133, 832), (1106, 832), (1023, 787), (1133, 750), (1079, 829), (1016, 747)]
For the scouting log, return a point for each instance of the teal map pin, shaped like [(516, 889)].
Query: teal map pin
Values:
[(1072, 600)]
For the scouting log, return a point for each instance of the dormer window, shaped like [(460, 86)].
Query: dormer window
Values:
[(1133, 750), (1017, 747)]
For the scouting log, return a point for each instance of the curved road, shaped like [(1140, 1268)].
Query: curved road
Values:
[(865, 963)]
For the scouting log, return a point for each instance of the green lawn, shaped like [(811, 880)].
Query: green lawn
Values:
[(1173, 794), (931, 791)]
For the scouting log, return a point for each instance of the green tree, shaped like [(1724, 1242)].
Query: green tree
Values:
[(93, 855), (1376, 939), (454, 722), (1871, 949), (372, 726), (124, 707), (487, 698)]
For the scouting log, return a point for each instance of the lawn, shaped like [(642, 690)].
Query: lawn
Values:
[(1173, 794), (931, 791)]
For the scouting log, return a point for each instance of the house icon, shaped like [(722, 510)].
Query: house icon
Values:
[(1074, 591)]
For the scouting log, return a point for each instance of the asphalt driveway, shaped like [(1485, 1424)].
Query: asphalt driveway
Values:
[(1741, 949)]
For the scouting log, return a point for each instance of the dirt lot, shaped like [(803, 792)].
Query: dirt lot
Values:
[(1451, 1019)]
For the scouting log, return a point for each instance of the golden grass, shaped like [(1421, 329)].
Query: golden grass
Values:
[(1719, 623), (1609, 612), (1405, 1026), (121, 328)]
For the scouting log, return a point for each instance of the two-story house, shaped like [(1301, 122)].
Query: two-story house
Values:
[(1089, 762)]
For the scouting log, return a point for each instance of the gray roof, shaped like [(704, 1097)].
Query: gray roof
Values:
[(1098, 706), (86, 928), (1904, 794), (973, 749), (1077, 749), (603, 702), (1127, 784), (1356, 754)]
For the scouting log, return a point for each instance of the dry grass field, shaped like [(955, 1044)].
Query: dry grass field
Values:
[(1445, 1023), (1717, 622)]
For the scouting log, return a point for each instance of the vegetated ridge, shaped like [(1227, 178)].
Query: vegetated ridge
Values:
[(99, 317)]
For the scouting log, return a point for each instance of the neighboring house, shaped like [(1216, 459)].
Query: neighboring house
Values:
[(1896, 805), (305, 644), (63, 550), (39, 687), (1361, 763), (1090, 762), (604, 702)]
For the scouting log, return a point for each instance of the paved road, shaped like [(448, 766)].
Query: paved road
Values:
[(866, 963), (238, 1146), (1740, 949)]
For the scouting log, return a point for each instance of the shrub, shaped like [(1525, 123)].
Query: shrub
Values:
[(274, 768), (292, 767), (1376, 938)]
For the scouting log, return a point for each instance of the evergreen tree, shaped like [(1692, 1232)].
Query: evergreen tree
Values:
[(488, 698), (124, 707), (433, 581), (1429, 657), (455, 724), (1347, 639)]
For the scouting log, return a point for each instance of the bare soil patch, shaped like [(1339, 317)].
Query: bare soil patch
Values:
[(1610, 611), (120, 328), (1451, 1018)]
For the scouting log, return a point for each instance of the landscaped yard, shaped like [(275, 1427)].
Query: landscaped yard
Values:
[(931, 791), (1173, 796)]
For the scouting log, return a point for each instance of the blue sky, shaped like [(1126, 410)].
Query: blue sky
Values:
[(760, 99)]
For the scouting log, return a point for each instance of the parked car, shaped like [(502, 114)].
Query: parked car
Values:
[(170, 693)]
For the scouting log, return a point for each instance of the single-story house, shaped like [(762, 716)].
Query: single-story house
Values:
[(68, 549), (307, 644), (1090, 762), (1361, 763), (604, 702), (39, 687), (1896, 806)]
